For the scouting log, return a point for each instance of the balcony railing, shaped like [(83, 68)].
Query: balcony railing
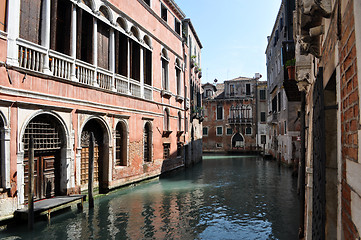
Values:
[(36, 58), (31, 56), (240, 120), (60, 65)]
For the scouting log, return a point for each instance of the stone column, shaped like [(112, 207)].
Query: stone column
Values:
[(95, 49), (112, 56), (45, 33), (73, 42), (141, 72), (13, 22)]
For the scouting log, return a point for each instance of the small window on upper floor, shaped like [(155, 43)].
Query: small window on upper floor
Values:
[(164, 12), (147, 2), (248, 89), (262, 94), (177, 26)]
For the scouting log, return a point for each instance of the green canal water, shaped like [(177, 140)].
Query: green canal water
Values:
[(224, 197)]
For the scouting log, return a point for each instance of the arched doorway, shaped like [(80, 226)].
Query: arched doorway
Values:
[(237, 141), (49, 140), (100, 150)]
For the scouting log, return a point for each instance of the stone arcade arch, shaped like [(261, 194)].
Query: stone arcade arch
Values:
[(50, 145), (101, 154)]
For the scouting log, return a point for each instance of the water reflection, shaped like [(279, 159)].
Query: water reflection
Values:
[(222, 198)]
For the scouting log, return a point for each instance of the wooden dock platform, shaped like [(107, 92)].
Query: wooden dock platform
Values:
[(46, 206)]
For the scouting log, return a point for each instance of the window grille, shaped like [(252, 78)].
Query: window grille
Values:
[(166, 150), (45, 134)]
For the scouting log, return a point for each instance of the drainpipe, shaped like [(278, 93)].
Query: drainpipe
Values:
[(302, 167)]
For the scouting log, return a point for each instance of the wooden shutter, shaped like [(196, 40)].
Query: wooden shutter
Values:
[(30, 20), (103, 45), (2, 15)]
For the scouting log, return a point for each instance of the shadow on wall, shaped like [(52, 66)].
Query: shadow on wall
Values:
[(186, 156)]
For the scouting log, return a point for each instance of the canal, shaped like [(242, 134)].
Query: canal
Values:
[(224, 197)]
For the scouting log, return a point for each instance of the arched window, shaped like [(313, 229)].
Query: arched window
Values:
[(147, 143), (165, 61), (121, 144), (178, 70)]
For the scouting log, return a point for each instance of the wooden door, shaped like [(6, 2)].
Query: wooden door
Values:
[(84, 169), (45, 183)]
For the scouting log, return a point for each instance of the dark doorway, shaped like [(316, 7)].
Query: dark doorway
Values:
[(48, 142), (93, 126)]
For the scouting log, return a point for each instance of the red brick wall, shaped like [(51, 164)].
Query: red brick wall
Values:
[(349, 113)]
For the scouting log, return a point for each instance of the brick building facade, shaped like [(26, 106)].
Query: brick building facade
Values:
[(114, 69), (328, 44), (230, 115)]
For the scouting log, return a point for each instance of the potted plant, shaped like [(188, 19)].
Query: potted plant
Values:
[(196, 69), (200, 73), (290, 65), (193, 61)]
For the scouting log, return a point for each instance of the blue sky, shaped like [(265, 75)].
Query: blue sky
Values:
[(233, 34)]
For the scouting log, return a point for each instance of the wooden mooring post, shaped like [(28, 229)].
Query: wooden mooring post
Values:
[(91, 171), (31, 184)]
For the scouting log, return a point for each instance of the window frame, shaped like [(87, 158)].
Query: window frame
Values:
[(248, 134), (222, 112), (207, 130), (265, 119), (219, 134), (163, 12), (227, 133)]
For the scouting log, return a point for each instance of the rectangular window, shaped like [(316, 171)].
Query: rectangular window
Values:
[(219, 145), (262, 94), (121, 54), (274, 104), (147, 67), (248, 89), (179, 149), (134, 60), (279, 102), (219, 131), (285, 127), (177, 26), (164, 12), (219, 112), (84, 45), (231, 90), (263, 139), (205, 131), (229, 131), (30, 20), (263, 116), (166, 150), (248, 131), (60, 26), (3, 15), (103, 45)]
